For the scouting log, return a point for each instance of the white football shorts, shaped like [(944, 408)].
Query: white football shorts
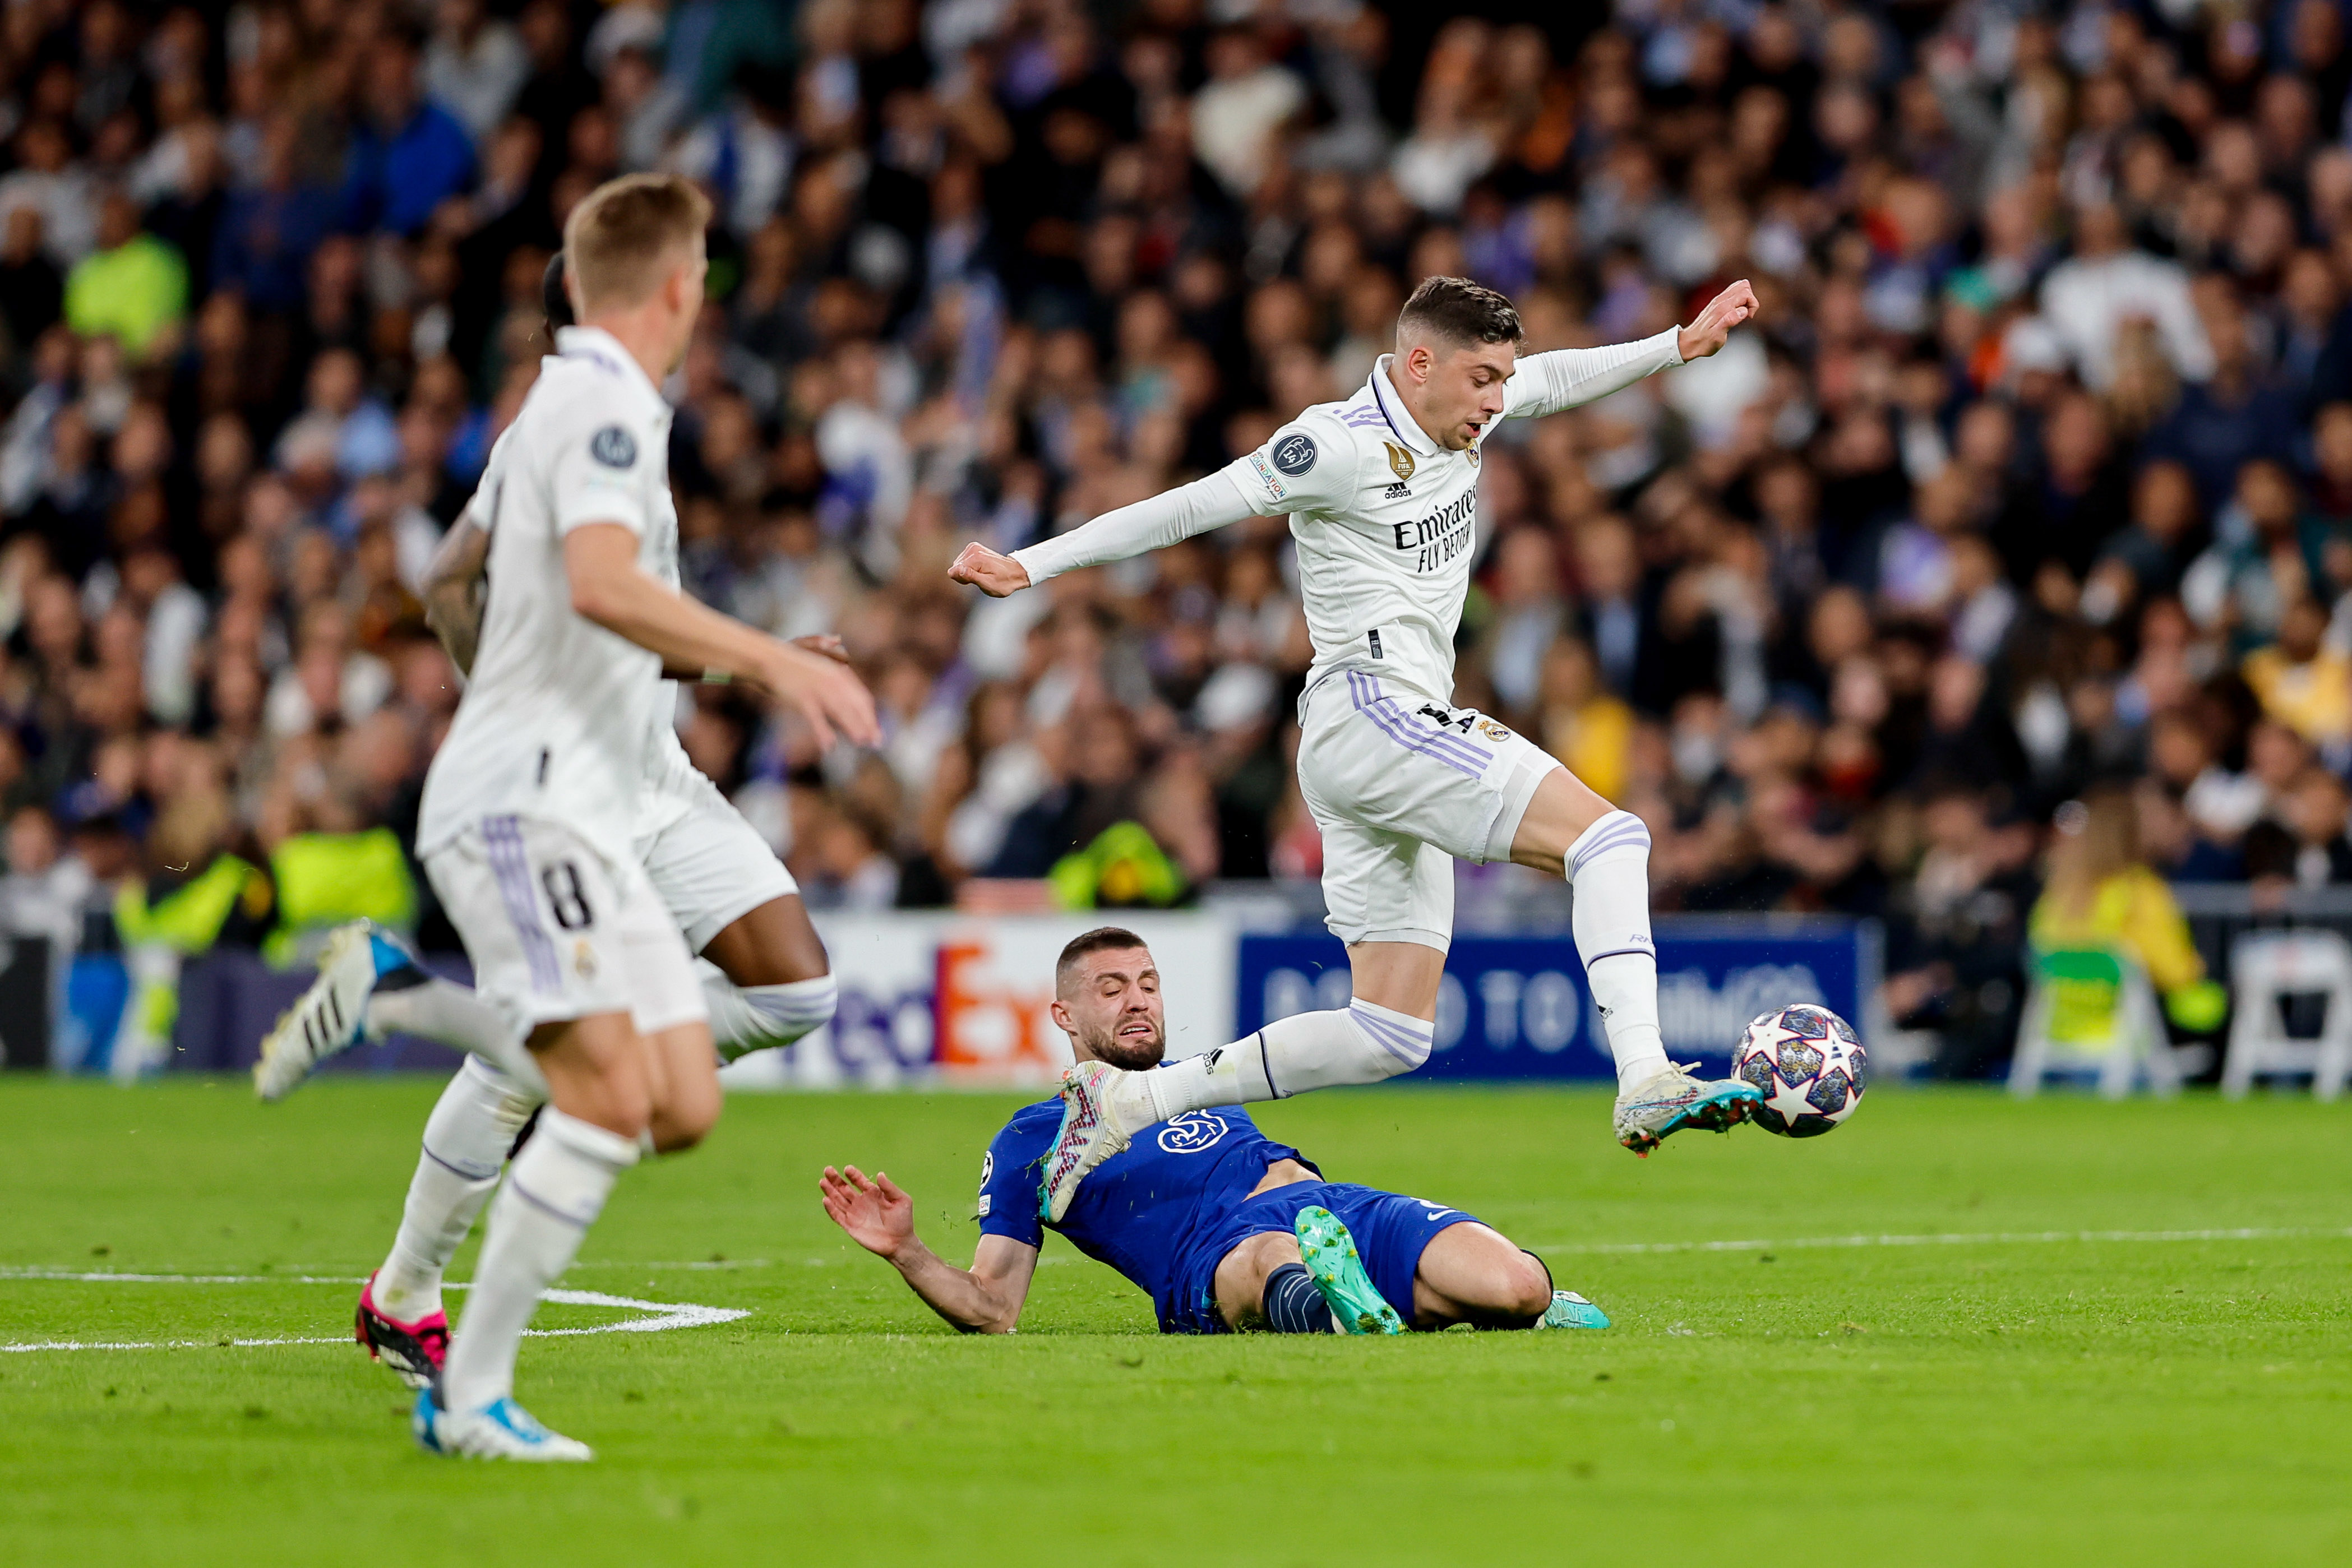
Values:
[(705, 862), (1401, 786), (557, 931)]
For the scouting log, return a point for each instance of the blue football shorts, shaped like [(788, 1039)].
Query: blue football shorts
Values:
[(1392, 1231)]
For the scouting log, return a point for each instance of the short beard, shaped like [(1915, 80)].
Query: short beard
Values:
[(1129, 1057)]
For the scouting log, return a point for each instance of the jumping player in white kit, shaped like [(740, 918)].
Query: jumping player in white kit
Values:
[(732, 900), (534, 802), (1381, 490)]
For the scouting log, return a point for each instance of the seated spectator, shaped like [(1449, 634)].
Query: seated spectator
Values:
[(2106, 282), (2236, 415), (1956, 929), (2101, 893), (2303, 684), (2243, 586), (407, 153), (2315, 812), (134, 288), (2175, 848), (1584, 725), (2165, 514), (32, 290), (268, 230), (342, 418)]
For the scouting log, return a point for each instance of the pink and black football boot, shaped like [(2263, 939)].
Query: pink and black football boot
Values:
[(414, 1352)]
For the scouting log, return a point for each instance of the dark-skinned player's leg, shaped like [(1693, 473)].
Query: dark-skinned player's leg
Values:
[(779, 982)]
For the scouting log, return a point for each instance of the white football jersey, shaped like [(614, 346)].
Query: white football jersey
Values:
[(560, 716), (1384, 518)]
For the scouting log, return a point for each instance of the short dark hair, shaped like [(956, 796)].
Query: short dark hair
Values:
[(554, 300), (1459, 311), (1101, 940)]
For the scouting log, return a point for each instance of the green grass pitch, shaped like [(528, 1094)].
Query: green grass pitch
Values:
[(2018, 1393)]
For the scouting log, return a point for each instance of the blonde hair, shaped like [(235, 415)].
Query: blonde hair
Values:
[(2105, 845), (617, 241)]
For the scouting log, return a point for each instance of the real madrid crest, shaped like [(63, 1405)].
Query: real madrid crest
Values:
[(1399, 461)]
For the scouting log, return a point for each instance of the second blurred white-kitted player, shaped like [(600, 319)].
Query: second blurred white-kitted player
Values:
[(767, 984), (534, 801), (1382, 493)]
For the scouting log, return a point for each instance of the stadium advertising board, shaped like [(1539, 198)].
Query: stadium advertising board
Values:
[(1517, 1007), (963, 999)]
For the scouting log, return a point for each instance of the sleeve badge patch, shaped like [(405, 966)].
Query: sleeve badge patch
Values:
[(1295, 454), (614, 448)]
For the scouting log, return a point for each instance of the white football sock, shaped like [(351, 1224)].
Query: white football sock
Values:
[(557, 1188), (467, 1138), (453, 1015), (745, 1018), (1362, 1043), (1608, 867)]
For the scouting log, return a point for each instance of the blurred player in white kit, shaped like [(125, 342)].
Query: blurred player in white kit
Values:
[(538, 799), (1381, 490), (769, 985)]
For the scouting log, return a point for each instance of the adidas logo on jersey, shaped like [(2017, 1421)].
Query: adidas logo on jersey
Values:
[(1397, 493)]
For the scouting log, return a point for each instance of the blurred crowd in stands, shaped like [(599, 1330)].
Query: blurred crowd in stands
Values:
[(2035, 474)]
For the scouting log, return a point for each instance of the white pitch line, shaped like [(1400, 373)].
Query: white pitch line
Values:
[(1986, 1239), (665, 1315)]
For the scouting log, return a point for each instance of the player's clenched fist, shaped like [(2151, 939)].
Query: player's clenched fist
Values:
[(1713, 326), (993, 574)]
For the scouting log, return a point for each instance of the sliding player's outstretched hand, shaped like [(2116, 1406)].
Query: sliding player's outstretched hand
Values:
[(878, 1216), (825, 692), (993, 574), (1713, 326)]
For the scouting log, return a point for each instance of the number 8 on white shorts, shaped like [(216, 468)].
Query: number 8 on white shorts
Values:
[(557, 932)]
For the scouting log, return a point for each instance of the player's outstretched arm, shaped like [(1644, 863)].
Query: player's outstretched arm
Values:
[(609, 588), (1147, 526), (1570, 378), (453, 591), (987, 1298)]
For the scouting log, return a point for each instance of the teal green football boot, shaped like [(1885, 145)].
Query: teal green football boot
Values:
[(1329, 1253), (1570, 1311)]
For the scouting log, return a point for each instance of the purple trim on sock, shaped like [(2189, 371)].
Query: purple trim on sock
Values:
[(537, 1202), (1405, 1045)]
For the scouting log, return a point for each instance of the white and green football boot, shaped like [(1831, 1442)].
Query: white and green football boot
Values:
[(1673, 1100), (1570, 1311), (1329, 1254)]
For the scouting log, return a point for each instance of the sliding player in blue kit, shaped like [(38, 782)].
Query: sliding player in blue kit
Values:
[(1224, 1229)]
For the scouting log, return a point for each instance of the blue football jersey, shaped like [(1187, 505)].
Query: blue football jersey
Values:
[(1143, 1210)]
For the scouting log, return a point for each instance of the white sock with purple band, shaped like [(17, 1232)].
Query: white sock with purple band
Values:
[(555, 1192), (1608, 867), (447, 1013), (1362, 1043), (473, 1125)]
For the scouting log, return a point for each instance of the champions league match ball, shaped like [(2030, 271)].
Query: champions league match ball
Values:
[(1809, 1065)]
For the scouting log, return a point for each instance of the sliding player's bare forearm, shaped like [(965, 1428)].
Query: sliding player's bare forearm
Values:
[(879, 1217), (963, 1297), (453, 591)]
